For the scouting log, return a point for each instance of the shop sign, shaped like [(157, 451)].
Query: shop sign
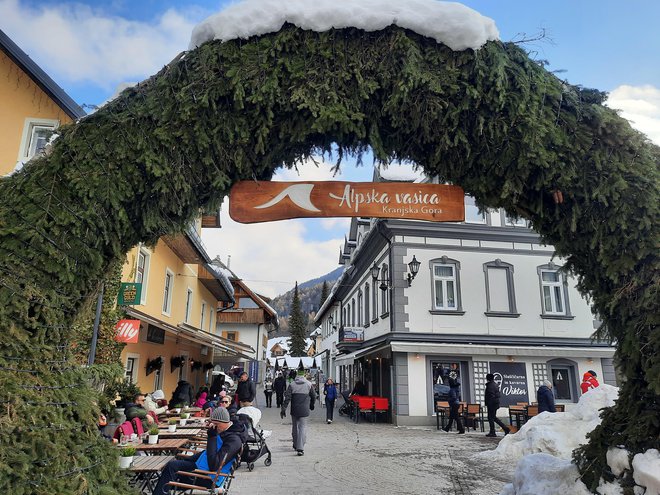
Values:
[(130, 293), (511, 378), (353, 334), (265, 201), (127, 331)]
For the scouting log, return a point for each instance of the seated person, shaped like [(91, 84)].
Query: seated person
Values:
[(224, 441), (154, 402), (136, 409), (359, 389), (102, 423)]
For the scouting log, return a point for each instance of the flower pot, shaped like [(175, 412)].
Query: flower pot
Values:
[(125, 462), (153, 439), (183, 422), (171, 428)]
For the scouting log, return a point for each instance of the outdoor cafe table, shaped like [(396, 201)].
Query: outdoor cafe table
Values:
[(145, 471), (189, 424), (517, 415), (164, 446), (183, 433)]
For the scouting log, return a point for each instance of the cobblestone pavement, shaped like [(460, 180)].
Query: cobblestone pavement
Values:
[(366, 458)]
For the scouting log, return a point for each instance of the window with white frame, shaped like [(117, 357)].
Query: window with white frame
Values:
[(374, 300), (445, 274), (189, 300), (366, 304), (167, 292), (500, 293), (142, 272), (36, 133), (211, 319), (158, 380), (554, 292), (472, 214), (202, 317), (515, 222), (384, 298), (359, 309), (131, 367)]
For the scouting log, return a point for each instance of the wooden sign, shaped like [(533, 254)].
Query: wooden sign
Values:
[(265, 201)]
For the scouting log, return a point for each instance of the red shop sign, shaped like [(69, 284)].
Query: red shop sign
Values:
[(127, 331)]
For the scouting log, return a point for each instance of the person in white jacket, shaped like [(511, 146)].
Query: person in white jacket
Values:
[(151, 402)]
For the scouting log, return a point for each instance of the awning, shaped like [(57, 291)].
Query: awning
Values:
[(237, 348), (494, 350), (346, 359)]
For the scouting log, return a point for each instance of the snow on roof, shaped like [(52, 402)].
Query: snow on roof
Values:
[(401, 172), (453, 24), (292, 362)]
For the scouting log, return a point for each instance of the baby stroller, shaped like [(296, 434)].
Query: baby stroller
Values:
[(348, 407), (255, 446)]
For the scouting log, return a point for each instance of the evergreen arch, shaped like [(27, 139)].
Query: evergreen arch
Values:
[(493, 121)]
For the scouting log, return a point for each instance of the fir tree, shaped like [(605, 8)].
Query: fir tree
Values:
[(296, 326), (325, 292)]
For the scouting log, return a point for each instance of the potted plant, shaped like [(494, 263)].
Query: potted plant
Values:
[(171, 425), (184, 419), (126, 457), (153, 435)]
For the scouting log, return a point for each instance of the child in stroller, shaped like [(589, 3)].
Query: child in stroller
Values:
[(347, 408), (255, 446)]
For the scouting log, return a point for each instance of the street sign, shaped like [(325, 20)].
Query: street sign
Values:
[(264, 201), (127, 331), (130, 293)]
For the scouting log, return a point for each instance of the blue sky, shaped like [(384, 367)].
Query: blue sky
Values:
[(90, 47)]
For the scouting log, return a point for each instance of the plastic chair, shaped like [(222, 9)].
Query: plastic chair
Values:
[(137, 426), (126, 428), (381, 405), (219, 480)]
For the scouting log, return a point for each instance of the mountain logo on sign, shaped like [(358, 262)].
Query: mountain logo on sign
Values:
[(299, 194)]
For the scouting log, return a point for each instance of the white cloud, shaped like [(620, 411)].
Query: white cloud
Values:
[(77, 44), (641, 106)]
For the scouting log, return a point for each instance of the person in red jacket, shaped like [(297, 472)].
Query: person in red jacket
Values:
[(589, 381)]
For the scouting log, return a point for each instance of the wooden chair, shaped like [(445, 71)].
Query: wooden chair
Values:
[(522, 403), (560, 407), (473, 415), (219, 480), (441, 411), (530, 412)]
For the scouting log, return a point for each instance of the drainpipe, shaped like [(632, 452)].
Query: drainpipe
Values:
[(257, 349)]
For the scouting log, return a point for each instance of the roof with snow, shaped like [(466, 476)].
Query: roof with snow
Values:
[(451, 23)]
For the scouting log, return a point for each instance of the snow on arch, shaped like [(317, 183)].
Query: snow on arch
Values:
[(451, 23)]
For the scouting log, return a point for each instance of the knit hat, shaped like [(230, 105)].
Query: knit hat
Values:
[(158, 395), (220, 414)]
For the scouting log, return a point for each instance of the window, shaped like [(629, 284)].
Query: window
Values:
[(158, 380), (445, 274), (500, 294), (366, 304), (167, 292), (508, 221), (554, 292), (231, 336), (142, 272), (472, 214), (352, 312), (359, 309), (384, 298), (131, 367), (211, 320), (189, 298), (202, 316), (374, 300), (36, 133), (183, 371)]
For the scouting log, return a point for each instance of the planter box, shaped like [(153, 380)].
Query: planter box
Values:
[(171, 428)]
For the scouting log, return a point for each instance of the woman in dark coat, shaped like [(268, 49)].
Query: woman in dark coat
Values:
[(545, 397), (183, 394), (454, 403)]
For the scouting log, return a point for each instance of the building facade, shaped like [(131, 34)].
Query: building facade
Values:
[(487, 297)]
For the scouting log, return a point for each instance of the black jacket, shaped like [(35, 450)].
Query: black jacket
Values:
[(301, 394), (492, 395), (232, 441), (546, 399), (182, 395), (279, 385), (246, 391)]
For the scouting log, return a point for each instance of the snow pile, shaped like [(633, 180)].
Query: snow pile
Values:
[(558, 434), (401, 172), (617, 460), (453, 24), (544, 474), (646, 471)]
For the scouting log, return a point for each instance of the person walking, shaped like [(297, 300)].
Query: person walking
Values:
[(246, 390), (330, 392), (545, 397), (279, 385), (301, 395), (492, 399), (454, 404), (589, 381), (268, 391)]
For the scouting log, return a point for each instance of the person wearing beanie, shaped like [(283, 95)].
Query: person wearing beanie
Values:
[(492, 400), (302, 396), (589, 381), (545, 397), (454, 403), (224, 440)]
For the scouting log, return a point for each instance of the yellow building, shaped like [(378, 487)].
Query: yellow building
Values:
[(32, 106), (181, 292)]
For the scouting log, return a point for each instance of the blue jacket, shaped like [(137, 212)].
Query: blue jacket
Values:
[(454, 395), (221, 448), (546, 399), (330, 391)]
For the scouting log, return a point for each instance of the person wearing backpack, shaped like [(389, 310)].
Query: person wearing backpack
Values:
[(330, 392)]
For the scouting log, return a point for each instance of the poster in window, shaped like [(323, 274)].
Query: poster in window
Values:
[(561, 383), (511, 378)]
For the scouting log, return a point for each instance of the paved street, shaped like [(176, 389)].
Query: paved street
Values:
[(365, 458)]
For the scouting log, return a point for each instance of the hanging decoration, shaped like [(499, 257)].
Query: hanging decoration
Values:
[(195, 365), (209, 366), (154, 364), (176, 362)]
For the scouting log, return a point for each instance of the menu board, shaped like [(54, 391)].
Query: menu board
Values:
[(511, 378)]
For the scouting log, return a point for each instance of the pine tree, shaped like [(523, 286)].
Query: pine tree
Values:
[(297, 326), (325, 292)]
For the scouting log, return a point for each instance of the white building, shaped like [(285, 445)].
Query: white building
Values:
[(487, 297)]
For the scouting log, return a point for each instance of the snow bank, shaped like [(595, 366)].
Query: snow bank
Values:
[(544, 474), (646, 471), (453, 24), (558, 434)]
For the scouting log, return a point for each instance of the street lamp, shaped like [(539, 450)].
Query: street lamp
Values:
[(384, 283), (414, 268), (330, 319)]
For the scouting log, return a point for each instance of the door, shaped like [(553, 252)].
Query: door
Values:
[(561, 383)]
